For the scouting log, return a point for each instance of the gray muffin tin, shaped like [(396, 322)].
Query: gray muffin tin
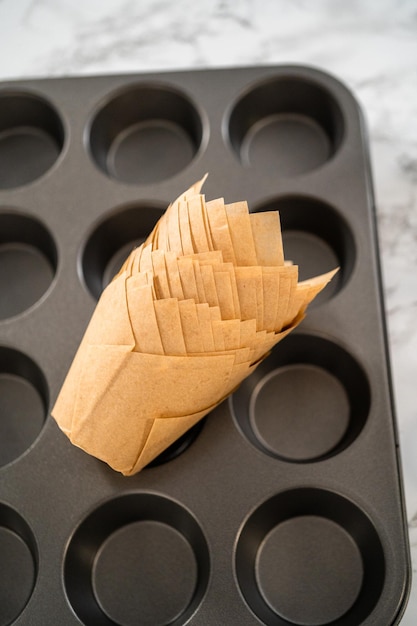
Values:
[(285, 505)]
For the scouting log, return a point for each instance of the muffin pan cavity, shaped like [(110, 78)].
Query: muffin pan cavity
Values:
[(23, 403), (121, 581), (287, 125), (28, 261), (31, 138), (307, 401), (145, 134), (284, 506), (179, 446), (334, 562), (111, 242), (316, 238), (18, 564)]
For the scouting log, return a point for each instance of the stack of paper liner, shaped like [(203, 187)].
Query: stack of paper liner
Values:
[(191, 313)]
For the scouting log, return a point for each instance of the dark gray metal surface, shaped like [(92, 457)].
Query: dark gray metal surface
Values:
[(285, 506)]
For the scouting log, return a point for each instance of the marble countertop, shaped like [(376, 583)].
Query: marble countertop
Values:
[(370, 45)]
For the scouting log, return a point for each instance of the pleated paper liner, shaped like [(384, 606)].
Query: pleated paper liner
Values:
[(191, 313)]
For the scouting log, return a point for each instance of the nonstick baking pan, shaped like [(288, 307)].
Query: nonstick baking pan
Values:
[(284, 506)]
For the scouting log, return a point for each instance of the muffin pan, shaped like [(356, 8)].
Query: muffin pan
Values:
[(284, 506)]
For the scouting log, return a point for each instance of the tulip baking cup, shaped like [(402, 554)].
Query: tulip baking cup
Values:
[(191, 313)]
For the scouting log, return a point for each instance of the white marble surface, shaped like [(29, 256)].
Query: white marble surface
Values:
[(371, 45)]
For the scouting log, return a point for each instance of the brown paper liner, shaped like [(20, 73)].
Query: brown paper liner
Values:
[(190, 314)]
